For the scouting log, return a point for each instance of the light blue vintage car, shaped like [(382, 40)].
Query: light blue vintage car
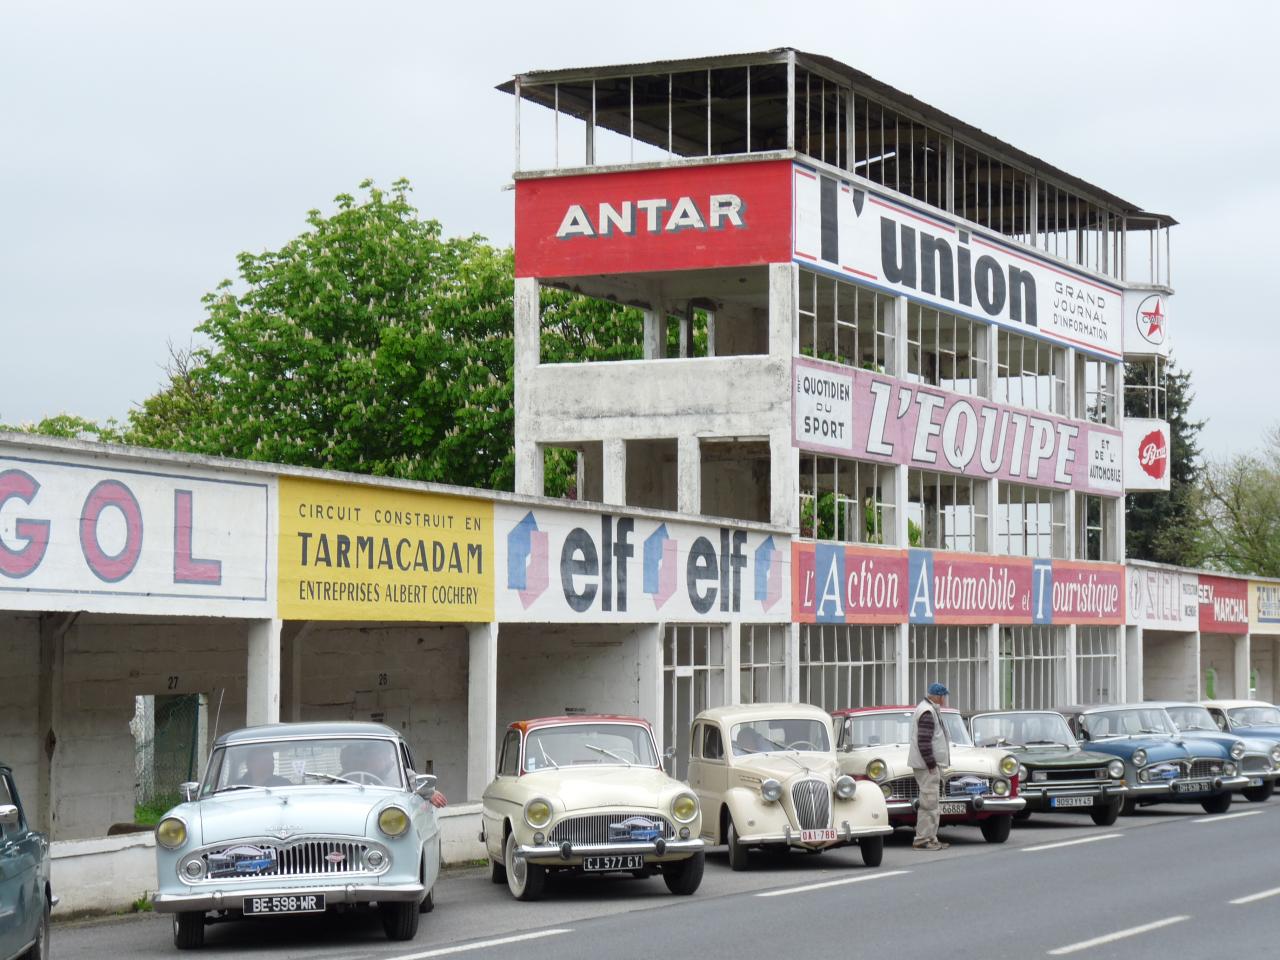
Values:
[(25, 894), (300, 818)]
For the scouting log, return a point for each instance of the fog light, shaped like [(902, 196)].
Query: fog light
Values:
[(684, 833), (539, 838), (887, 791), (194, 869), (375, 859)]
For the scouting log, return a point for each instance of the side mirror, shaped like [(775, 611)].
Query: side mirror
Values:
[(669, 753), (424, 785), (9, 815), (189, 790)]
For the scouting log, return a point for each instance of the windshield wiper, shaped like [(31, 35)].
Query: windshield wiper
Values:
[(330, 778), (238, 786), (542, 749), (1148, 730), (607, 753), (1056, 743)]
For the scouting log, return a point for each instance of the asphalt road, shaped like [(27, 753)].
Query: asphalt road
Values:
[(1159, 884)]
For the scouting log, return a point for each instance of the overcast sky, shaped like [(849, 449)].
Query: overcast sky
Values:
[(143, 145)]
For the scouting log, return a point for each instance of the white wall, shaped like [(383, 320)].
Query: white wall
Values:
[(1170, 665), (19, 700), (1263, 656), (1218, 651)]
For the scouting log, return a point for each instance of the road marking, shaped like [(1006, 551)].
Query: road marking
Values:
[(1273, 892), (481, 945), (1227, 816), (830, 883), (1118, 935), (1071, 843)]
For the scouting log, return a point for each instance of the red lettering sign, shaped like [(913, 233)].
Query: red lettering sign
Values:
[(1224, 605)]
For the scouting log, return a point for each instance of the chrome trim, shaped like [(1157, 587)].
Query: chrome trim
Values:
[(554, 853), (811, 799), (298, 858), (791, 837), (593, 828), (346, 893)]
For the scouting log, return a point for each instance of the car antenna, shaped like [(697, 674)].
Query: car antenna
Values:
[(218, 715)]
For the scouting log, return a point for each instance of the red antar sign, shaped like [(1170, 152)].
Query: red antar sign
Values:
[(721, 215)]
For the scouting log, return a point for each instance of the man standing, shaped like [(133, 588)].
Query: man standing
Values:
[(929, 753)]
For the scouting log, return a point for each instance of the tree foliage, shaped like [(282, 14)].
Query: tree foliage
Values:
[(69, 426), (1242, 509)]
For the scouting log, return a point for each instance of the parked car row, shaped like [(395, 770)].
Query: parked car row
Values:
[(309, 817)]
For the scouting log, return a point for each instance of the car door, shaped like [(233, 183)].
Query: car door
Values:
[(497, 802), (21, 902), (708, 774)]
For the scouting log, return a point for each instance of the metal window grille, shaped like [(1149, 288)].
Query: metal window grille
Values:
[(1097, 520), (1030, 373), (944, 350), (1098, 390), (1098, 665), (1145, 388), (845, 500), (693, 681), (1030, 521), (948, 512), (954, 655), (762, 663), (845, 323), (847, 665), (1033, 667)]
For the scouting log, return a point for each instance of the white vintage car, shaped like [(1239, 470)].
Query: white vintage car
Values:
[(766, 775), (588, 794), (980, 787), (300, 818)]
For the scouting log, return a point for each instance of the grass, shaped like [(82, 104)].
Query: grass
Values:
[(143, 904), (149, 814)]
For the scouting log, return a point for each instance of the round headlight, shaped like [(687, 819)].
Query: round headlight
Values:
[(1001, 788), (1237, 750), (887, 791), (393, 821), (1144, 775), (771, 790), (845, 787), (171, 833), (684, 807), (1023, 773), (194, 869), (537, 812), (1230, 770), (374, 859), (1008, 766), (1116, 769), (1139, 758), (877, 770), (1275, 754)]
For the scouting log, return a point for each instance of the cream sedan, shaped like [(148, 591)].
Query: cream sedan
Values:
[(588, 794), (766, 776)]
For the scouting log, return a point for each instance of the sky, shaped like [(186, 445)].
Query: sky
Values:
[(143, 145)]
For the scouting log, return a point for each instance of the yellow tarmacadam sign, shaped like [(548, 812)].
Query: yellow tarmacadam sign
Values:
[(1264, 607), (352, 552)]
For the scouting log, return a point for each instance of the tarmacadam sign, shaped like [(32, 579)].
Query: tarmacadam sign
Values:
[(1264, 607)]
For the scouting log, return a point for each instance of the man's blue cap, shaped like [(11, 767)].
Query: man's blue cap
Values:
[(938, 690)]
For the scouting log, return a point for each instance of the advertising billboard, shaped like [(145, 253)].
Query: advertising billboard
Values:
[(1146, 322), (1162, 598), (1224, 604), (1146, 454)]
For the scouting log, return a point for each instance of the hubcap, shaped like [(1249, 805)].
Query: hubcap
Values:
[(515, 864)]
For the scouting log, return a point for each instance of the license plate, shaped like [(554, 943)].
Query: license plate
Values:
[(1071, 801), (299, 903), (1191, 786), (953, 809), (628, 861), (1255, 781), (816, 836)]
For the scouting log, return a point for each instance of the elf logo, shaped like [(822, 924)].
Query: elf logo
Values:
[(657, 215)]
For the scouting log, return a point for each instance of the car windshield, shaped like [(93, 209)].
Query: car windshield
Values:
[(1021, 729), (1190, 718), (1255, 717), (1131, 722), (874, 729), (578, 744), (290, 763), (780, 733)]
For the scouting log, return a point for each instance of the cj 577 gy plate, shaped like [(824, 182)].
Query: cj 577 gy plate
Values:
[(296, 903), (628, 861)]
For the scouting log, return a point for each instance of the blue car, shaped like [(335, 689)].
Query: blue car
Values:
[(1161, 766), (1257, 753), (1252, 718), (25, 893)]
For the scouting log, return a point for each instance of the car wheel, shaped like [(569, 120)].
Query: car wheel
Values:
[(497, 872), (1022, 815), (40, 949), (996, 829), (188, 930), (872, 850), (428, 902), (525, 880), (1107, 815), (399, 919), (1129, 807), (1219, 804), (737, 850), (684, 876), (1260, 794)]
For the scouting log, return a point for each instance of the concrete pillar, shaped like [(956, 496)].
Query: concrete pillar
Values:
[(1243, 662), (482, 706), (733, 661), (793, 663), (614, 454), (53, 632), (262, 693), (900, 529), (902, 673), (529, 475), (293, 636), (784, 471), (995, 694), (649, 699), (1131, 654), (688, 474), (530, 470), (1073, 666), (1193, 682), (655, 341)]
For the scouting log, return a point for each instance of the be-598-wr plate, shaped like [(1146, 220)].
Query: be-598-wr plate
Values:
[(294, 903), (1071, 801), (628, 861)]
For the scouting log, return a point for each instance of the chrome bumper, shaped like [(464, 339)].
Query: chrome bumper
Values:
[(1166, 791), (232, 899), (1103, 791), (571, 854), (845, 833), (976, 805)]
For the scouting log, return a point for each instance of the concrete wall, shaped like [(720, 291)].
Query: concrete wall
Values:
[(413, 678), (1217, 651), (1264, 662), (19, 699), (1170, 665)]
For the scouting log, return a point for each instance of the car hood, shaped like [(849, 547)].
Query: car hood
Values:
[(1158, 748), (979, 760), (1225, 740), (584, 788), (1060, 756), (787, 766), (1266, 733), (295, 811)]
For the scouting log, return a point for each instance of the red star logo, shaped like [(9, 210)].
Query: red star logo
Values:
[(1154, 319)]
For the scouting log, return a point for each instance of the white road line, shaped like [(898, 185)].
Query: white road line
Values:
[(481, 945), (1118, 935), (880, 875), (1071, 843), (1273, 892), (1227, 816)]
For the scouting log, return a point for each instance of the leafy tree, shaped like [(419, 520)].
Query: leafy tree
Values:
[(71, 427), (1168, 527), (1242, 509)]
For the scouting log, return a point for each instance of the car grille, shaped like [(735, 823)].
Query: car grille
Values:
[(959, 786), (1078, 775), (812, 799), (301, 858), (1205, 769), (610, 827), (904, 788), (1256, 764)]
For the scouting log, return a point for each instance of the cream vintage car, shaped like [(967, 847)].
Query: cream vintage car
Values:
[(588, 794), (766, 776), (980, 787)]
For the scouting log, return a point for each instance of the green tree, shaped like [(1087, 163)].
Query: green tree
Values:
[(1242, 510), (1168, 527), (71, 427)]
